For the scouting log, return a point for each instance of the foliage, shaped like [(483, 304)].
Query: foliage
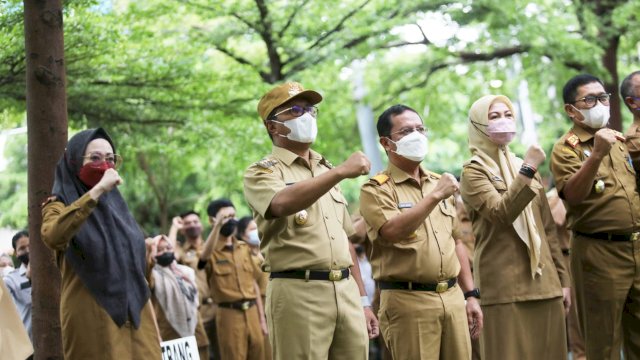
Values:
[(177, 82)]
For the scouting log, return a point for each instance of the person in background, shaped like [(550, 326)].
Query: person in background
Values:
[(233, 279), (14, 340), (174, 295), (19, 281), (6, 264), (105, 306), (559, 213), (248, 232), (188, 224)]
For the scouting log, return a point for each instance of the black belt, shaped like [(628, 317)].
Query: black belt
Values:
[(328, 275), (612, 237), (441, 286), (243, 305)]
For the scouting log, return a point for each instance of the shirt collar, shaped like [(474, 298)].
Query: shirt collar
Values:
[(222, 245), (22, 270), (398, 175), (287, 157), (581, 133)]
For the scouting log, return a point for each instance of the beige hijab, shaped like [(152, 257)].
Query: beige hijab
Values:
[(499, 161)]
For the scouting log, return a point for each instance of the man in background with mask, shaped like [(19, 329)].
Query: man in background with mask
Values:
[(630, 93), (233, 279), (188, 224), (19, 281), (316, 307), (594, 176), (411, 222)]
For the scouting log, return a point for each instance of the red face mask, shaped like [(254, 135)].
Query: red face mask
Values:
[(91, 174)]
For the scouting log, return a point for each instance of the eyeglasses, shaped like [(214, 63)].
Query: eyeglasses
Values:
[(296, 111), (406, 131), (590, 100), (98, 158)]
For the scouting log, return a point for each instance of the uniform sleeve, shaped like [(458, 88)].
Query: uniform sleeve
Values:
[(60, 223), (551, 232), (633, 144), (457, 231), (260, 186), (564, 163), (480, 194), (257, 272), (377, 206)]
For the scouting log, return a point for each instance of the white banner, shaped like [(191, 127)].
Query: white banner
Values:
[(184, 348)]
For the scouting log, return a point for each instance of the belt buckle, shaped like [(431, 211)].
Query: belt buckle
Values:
[(442, 286), (245, 306), (635, 236), (335, 275)]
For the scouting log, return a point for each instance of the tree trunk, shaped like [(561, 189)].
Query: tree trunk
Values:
[(610, 62), (47, 137)]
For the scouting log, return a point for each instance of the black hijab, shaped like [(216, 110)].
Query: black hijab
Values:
[(108, 251)]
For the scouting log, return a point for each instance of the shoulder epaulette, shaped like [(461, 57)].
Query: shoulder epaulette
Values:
[(266, 164), (433, 175), (380, 178), (326, 163), (572, 140), (619, 135)]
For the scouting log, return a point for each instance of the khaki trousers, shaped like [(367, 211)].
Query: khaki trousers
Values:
[(239, 334), (606, 276), (425, 324), (316, 319)]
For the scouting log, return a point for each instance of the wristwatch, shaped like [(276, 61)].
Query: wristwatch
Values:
[(473, 293)]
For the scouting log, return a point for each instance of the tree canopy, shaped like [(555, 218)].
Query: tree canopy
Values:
[(176, 83)]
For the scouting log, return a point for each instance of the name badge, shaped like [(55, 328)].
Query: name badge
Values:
[(496, 178), (405, 205), (222, 261), (587, 153)]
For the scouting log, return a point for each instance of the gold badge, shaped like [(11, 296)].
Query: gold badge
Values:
[(599, 187), (294, 89), (301, 217)]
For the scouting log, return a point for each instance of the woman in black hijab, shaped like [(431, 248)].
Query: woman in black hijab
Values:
[(100, 250)]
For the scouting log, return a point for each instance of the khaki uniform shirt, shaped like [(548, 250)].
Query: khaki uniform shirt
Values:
[(616, 209), (633, 144), (319, 244), (189, 255), (501, 261), (429, 254), (232, 273)]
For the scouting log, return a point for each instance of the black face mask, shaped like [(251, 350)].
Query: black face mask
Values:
[(24, 258), (165, 259), (229, 227)]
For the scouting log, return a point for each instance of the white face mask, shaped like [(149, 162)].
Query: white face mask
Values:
[(303, 128), (597, 117), (413, 146), (253, 238)]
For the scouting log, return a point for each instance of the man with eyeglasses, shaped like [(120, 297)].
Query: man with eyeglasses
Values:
[(630, 93), (416, 256), (316, 304), (595, 178)]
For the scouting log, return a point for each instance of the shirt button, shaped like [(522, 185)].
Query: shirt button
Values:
[(333, 237)]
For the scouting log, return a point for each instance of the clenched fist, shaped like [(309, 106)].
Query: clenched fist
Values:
[(357, 164), (534, 156), (446, 186)]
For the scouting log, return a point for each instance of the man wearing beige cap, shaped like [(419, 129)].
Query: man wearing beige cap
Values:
[(316, 306)]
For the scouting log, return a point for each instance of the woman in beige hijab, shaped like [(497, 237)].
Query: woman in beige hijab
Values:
[(518, 264)]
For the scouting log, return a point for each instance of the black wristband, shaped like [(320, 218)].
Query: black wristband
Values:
[(473, 293), (527, 171)]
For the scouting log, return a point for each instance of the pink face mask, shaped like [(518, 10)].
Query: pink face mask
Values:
[(501, 131)]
